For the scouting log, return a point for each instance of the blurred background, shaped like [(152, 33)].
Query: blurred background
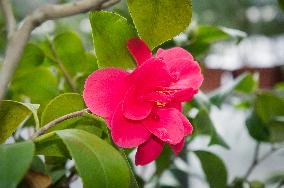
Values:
[(228, 38)]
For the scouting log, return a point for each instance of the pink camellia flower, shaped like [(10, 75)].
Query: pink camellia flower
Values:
[(143, 108)]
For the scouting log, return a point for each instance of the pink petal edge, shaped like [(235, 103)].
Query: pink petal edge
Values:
[(139, 50), (103, 91), (166, 125), (178, 147), (148, 151), (134, 108), (127, 133)]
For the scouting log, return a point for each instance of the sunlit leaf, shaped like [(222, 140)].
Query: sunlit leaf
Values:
[(160, 20), (110, 35), (39, 85), (51, 145), (68, 103), (12, 115), (70, 51), (98, 164)]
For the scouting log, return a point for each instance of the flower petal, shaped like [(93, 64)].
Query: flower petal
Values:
[(178, 147), (104, 89), (186, 124), (127, 133), (148, 151), (176, 105), (134, 108), (151, 74), (139, 50), (173, 53), (166, 124), (187, 73), (184, 95)]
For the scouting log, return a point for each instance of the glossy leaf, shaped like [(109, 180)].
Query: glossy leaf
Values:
[(160, 20), (62, 105), (32, 57), (12, 115), (68, 103), (34, 109), (98, 164), (15, 160), (110, 35), (214, 169), (39, 85), (51, 145), (70, 50)]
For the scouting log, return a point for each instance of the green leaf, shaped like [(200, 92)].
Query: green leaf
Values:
[(71, 52), (164, 160), (257, 129), (110, 35), (15, 160), (12, 115), (38, 165), (203, 125), (214, 169), (209, 34), (268, 106), (256, 184), (201, 101), (281, 4), (276, 129), (91, 65), (34, 109), (39, 85), (67, 103), (245, 83), (276, 178), (32, 57), (98, 164), (62, 105), (51, 145), (238, 182), (160, 20)]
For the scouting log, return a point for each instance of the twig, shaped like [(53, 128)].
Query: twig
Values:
[(9, 17), (257, 161), (20, 37), (254, 162), (66, 75), (58, 120), (109, 3)]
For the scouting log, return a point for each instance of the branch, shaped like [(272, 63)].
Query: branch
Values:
[(257, 160), (58, 120), (9, 17), (20, 38), (66, 75), (254, 162)]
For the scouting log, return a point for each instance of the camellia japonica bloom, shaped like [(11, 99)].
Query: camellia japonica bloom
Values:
[(142, 108)]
